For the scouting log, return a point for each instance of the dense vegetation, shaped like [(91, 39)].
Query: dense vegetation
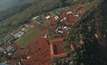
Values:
[(5, 4), (92, 30), (93, 23)]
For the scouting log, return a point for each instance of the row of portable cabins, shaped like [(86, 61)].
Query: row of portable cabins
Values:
[(16, 34), (37, 19), (9, 39), (58, 11), (11, 49)]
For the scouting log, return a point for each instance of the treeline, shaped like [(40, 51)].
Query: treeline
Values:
[(5, 4)]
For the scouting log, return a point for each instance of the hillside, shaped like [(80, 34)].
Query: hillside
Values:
[(5, 4), (92, 30)]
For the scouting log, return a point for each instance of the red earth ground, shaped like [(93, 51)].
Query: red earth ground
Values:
[(41, 56), (58, 48)]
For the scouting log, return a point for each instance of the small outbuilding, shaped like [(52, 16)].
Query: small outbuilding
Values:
[(65, 18), (56, 17), (48, 17), (70, 12), (81, 42), (56, 40), (73, 48)]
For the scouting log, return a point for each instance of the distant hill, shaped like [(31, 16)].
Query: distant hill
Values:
[(5, 4)]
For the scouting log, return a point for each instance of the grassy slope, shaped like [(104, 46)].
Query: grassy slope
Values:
[(29, 36)]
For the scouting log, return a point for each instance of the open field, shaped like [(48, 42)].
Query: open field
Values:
[(29, 36)]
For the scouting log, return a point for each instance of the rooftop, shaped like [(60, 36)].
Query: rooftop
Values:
[(7, 37), (15, 32), (9, 48), (72, 47), (11, 40), (56, 40)]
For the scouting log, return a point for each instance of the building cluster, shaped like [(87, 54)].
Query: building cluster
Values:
[(10, 38), (9, 50), (59, 28), (76, 14), (53, 13), (52, 48), (14, 35)]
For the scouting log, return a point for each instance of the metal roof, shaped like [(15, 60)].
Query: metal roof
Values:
[(7, 37), (11, 40), (57, 11), (38, 20), (9, 48), (53, 13), (15, 32)]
